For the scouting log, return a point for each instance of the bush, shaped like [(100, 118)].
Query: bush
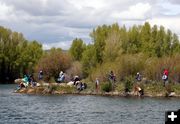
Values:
[(128, 82), (122, 67), (75, 69), (154, 68), (107, 87), (52, 63)]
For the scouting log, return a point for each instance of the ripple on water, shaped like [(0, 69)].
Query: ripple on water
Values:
[(34, 109)]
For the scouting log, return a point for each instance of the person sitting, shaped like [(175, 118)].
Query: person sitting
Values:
[(61, 77), (76, 78), (81, 86), (32, 81), (25, 82)]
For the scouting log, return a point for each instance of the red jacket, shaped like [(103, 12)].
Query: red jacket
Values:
[(166, 72)]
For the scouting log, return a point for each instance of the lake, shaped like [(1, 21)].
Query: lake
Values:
[(77, 109)]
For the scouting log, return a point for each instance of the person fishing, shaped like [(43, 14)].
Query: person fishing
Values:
[(165, 76), (40, 75), (61, 77), (112, 79), (97, 85), (138, 77)]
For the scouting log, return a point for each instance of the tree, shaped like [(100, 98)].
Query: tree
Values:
[(113, 44), (16, 54), (53, 62), (88, 59), (99, 36), (145, 37), (77, 49), (134, 43)]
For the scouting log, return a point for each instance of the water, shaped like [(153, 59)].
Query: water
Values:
[(75, 109)]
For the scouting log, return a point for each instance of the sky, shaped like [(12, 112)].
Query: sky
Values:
[(55, 23)]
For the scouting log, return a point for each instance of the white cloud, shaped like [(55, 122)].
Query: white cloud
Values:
[(58, 22), (169, 8), (5, 11), (95, 4), (62, 44), (171, 23), (137, 11)]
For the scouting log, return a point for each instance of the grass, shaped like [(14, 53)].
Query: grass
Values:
[(64, 89), (176, 88), (150, 89), (154, 89), (120, 87)]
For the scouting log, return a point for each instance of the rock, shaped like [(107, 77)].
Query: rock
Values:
[(30, 91), (115, 93), (38, 84), (171, 94), (23, 90), (18, 81), (63, 84), (45, 84), (71, 83), (39, 90)]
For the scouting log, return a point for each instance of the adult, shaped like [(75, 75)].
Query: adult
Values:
[(97, 84), (61, 77), (112, 76), (40, 75), (76, 78), (112, 79), (165, 76), (138, 77)]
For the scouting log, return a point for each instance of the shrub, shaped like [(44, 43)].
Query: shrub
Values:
[(154, 68), (75, 69), (128, 82), (107, 87), (53, 62)]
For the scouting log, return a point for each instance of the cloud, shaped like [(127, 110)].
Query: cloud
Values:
[(137, 12), (171, 23), (58, 22), (62, 44)]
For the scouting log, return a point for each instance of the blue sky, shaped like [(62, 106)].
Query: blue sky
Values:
[(55, 23)]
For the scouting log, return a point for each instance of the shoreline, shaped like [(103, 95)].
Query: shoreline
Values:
[(47, 91)]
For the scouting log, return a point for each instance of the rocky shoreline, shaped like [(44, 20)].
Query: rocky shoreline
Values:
[(47, 89)]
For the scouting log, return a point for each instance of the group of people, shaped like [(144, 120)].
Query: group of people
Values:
[(27, 80), (138, 77), (79, 84)]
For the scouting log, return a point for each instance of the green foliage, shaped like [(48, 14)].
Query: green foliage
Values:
[(176, 88), (62, 89), (141, 48), (17, 55), (113, 44), (88, 60), (99, 36), (128, 83), (154, 68), (77, 49), (155, 89), (106, 87), (120, 87)]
